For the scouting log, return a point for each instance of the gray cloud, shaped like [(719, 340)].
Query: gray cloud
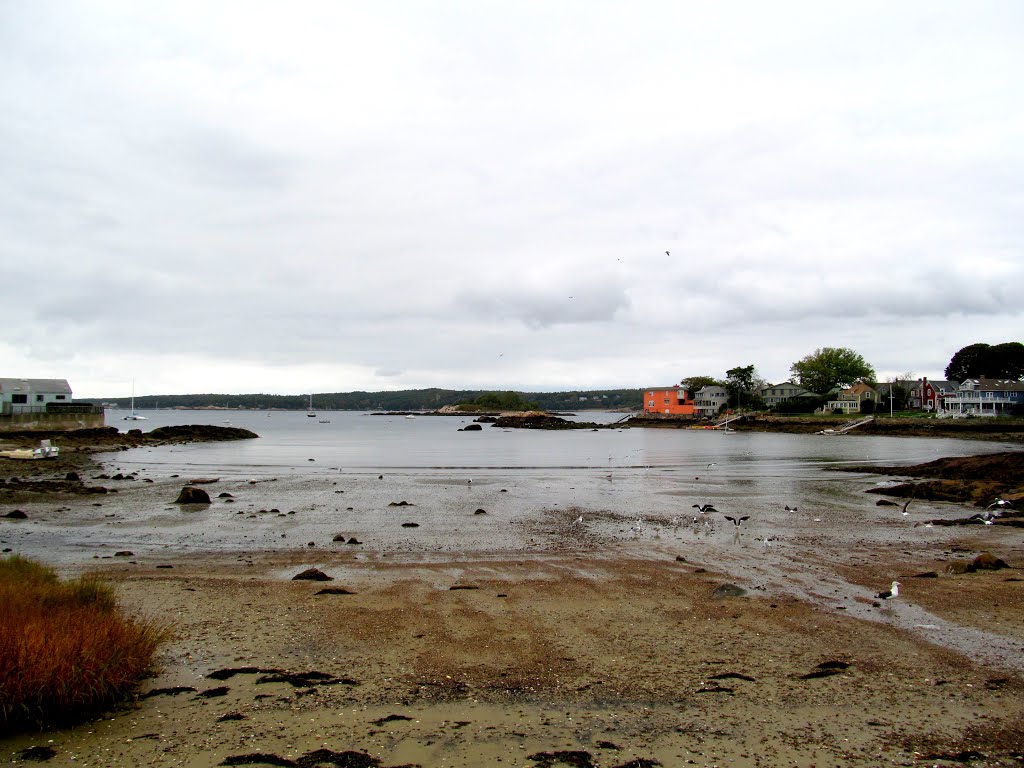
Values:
[(244, 198)]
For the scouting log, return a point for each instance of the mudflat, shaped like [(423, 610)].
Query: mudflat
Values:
[(550, 642)]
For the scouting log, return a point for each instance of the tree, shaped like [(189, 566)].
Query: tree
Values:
[(693, 383), (830, 367), (1002, 361), (744, 387)]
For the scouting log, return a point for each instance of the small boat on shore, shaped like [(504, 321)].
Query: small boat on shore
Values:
[(45, 451)]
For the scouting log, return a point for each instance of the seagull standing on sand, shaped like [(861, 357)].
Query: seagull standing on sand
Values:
[(893, 591), (578, 520), (638, 526)]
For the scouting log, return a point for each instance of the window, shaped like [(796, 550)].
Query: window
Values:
[(39, 398), (61, 397), (19, 399)]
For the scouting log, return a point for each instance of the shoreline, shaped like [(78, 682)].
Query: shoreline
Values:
[(518, 638)]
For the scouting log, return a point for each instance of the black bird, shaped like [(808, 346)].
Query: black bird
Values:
[(703, 508), (737, 520), (791, 509)]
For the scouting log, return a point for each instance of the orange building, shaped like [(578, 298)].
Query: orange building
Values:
[(675, 401)]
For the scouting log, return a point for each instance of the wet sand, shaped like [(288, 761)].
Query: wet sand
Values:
[(519, 637)]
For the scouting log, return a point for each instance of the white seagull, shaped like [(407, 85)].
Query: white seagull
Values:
[(893, 591)]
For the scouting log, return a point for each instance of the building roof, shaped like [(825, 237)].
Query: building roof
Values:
[(994, 385), (35, 386)]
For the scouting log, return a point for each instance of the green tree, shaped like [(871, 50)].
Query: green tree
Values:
[(693, 383), (744, 386), (1001, 361), (830, 367)]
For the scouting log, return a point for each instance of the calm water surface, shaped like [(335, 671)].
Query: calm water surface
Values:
[(355, 440)]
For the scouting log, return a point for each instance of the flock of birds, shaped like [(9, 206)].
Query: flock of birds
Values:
[(991, 512)]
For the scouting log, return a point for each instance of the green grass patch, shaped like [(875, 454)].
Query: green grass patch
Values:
[(67, 650)]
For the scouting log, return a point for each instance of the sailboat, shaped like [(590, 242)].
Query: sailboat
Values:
[(311, 413), (134, 416)]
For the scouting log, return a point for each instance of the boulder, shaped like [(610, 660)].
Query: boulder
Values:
[(471, 428), (190, 495), (986, 561), (312, 574)]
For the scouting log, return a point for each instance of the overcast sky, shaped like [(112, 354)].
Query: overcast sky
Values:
[(293, 197)]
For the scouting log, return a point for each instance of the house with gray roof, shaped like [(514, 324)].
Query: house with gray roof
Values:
[(32, 395)]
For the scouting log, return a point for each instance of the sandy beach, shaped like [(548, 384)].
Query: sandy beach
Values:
[(504, 632)]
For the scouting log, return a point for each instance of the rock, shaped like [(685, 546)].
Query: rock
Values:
[(312, 574), (39, 754), (471, 428), (353, 540), (124, 553), (334, 591), (410, 525), (16, 514), (224, 495), (73, 477), (958, 567), (480, 512), (728, 590), (926, 575), (986, 561), (190, 495)]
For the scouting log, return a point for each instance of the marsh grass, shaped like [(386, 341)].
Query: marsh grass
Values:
[(67, 651)]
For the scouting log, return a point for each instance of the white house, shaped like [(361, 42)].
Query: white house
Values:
[(708, 401), (32, 395)]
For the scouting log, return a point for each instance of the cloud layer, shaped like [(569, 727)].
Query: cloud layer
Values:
[(245, 197)]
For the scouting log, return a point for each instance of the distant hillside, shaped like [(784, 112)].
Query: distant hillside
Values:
[(405, 400)]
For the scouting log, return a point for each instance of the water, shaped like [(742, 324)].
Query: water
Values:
[(362, 441)]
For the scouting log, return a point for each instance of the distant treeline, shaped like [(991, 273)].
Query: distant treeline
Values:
[(405, 400)]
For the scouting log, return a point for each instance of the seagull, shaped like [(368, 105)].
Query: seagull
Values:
[(712, 464), (1000, 504), (893, 591), (578, 520), (702, 508), (667, 253), (737, 520), (905, 505), (790, 509), (638, 526), (470, 481)]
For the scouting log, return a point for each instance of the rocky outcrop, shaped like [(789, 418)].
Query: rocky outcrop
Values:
[(190, 495)]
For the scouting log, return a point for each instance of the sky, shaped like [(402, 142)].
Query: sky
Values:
[(242, 197)]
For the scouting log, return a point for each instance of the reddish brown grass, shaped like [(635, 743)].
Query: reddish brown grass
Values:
[(66, 649)]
